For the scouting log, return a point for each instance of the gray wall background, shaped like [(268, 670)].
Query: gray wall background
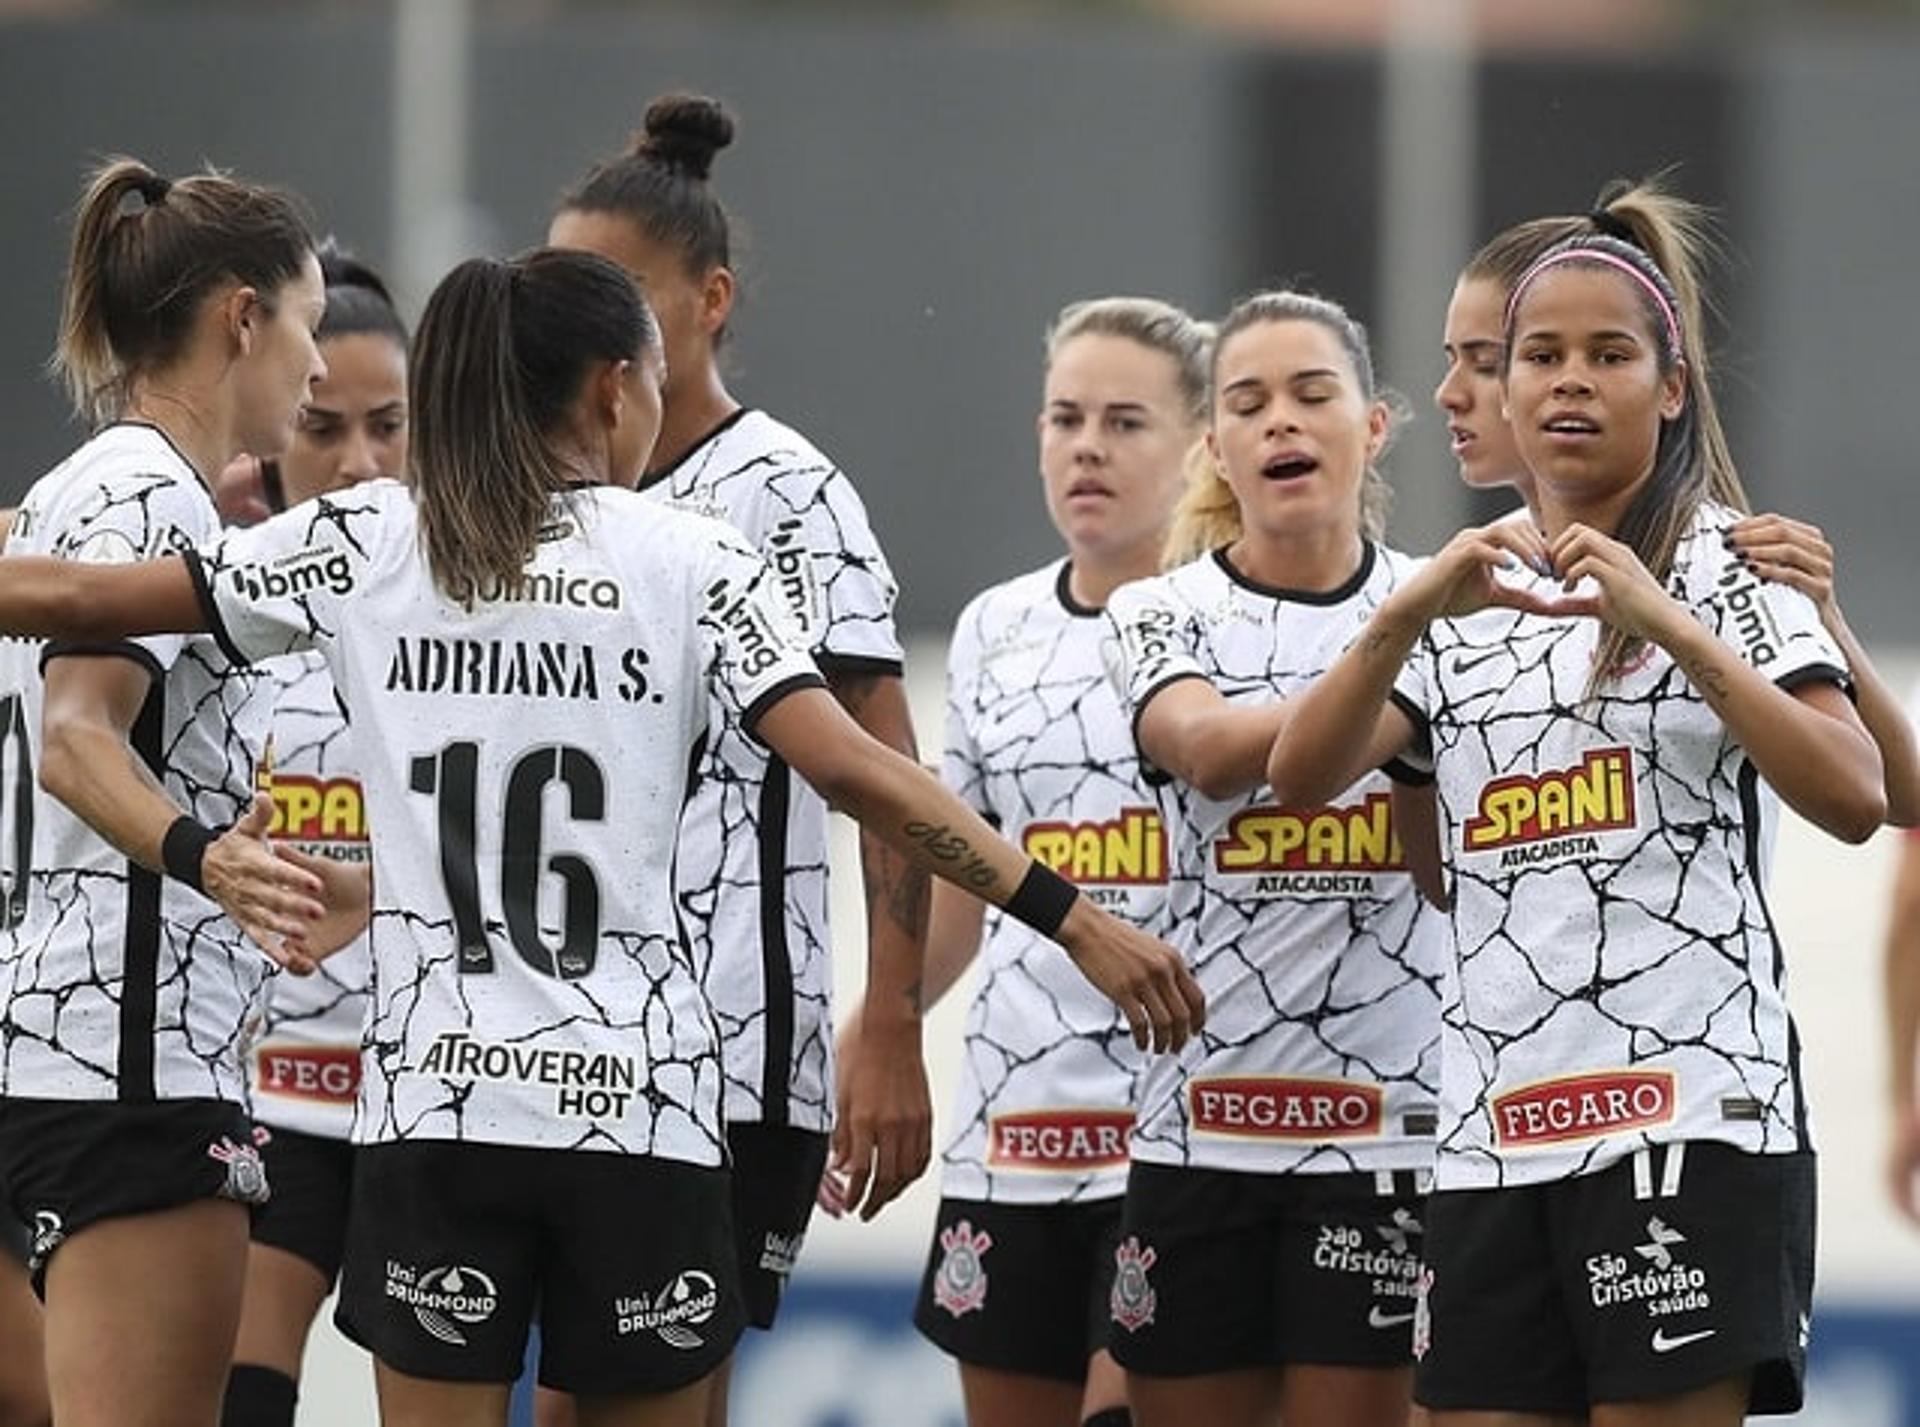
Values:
[(920, 195)]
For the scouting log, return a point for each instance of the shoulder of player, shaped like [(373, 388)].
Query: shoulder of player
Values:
[(655, 531), (1014, 597)]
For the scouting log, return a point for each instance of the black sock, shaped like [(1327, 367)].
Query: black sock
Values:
[(259, 1397), (1111, 1417)]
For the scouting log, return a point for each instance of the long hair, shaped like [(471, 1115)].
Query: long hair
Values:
[(146, 251), (501, 354), (1208, 515)]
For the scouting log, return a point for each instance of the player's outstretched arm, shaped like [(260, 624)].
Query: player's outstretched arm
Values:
[(41, 597), (908, 806)]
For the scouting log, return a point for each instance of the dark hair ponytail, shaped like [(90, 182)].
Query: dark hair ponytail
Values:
[(660, 183), (501, 353), (136, 276)]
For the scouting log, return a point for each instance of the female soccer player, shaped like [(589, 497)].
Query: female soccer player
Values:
[(1622, 1228), (753, 858), (1021, 1265), (540, 1109), (1791, 552), (304, 1064), (1272, 1222), (188, 331)]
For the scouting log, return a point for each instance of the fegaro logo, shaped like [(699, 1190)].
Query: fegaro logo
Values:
[(1326, 852), (558, 588), (1578, 1107), (302, 573), (329, 1075), (1595, 797), (1128, 849), (1272, 1107), (1060, 1139)]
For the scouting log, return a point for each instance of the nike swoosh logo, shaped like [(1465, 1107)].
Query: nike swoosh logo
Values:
[(1387, 1320), (1663, 1344), (1463, 662)]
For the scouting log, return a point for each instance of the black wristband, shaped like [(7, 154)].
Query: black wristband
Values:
[(1042, 900), (184, 849)]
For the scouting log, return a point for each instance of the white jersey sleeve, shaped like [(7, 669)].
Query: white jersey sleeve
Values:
[(758, 653), (1772, 626), (961, 765), (277, 587), (1159, 639)]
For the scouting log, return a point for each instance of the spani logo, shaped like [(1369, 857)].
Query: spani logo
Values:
[(304, 573)]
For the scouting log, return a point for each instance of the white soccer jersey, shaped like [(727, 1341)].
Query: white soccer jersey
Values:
[(1319, 960), (753, 851), (1038, 744), (116, 982), (524, 765), (304, 1065), (1617, 979)]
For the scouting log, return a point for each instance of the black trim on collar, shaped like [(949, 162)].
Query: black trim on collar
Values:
[(649, 479), (206, 484), (1063, 588), (1346, 590)]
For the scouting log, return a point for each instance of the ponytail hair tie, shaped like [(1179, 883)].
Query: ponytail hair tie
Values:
[(1606, 221), (153, 189)]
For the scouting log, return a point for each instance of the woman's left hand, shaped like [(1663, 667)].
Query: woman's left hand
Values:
[(1625, 594), (1788, 552)]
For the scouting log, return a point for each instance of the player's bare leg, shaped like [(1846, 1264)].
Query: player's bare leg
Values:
[(1720, 1404), (1316, 1396), (408, 1401), (1250, 1398), (283, 1294), (159, 1293), (1502, 1419), (994, 1397), (23, 1371)]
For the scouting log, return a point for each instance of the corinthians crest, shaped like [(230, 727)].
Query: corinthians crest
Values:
[(1133, 1297), (960, 1283)]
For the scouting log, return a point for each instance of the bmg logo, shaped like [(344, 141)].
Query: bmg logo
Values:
[(296, 575)]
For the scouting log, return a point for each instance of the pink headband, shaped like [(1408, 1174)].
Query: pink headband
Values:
[(1599, 255)]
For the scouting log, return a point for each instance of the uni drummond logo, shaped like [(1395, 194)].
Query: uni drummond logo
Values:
[(446, 1299), (1126, 851), (1322, 852), (304, 572), (1555, 815), (674, 1314)]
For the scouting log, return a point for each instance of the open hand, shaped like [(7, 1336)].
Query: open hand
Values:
[(269, 898)]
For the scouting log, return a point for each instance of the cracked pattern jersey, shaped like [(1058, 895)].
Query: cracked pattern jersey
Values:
[(118, 983), (1038, 744), (304, 1066), (752, 871), (525, 762), (1320, 962), (1618, 981)]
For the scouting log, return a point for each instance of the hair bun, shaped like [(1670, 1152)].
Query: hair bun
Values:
[(683, 132)]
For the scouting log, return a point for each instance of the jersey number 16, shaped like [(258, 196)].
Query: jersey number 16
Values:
[(452, 776)]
